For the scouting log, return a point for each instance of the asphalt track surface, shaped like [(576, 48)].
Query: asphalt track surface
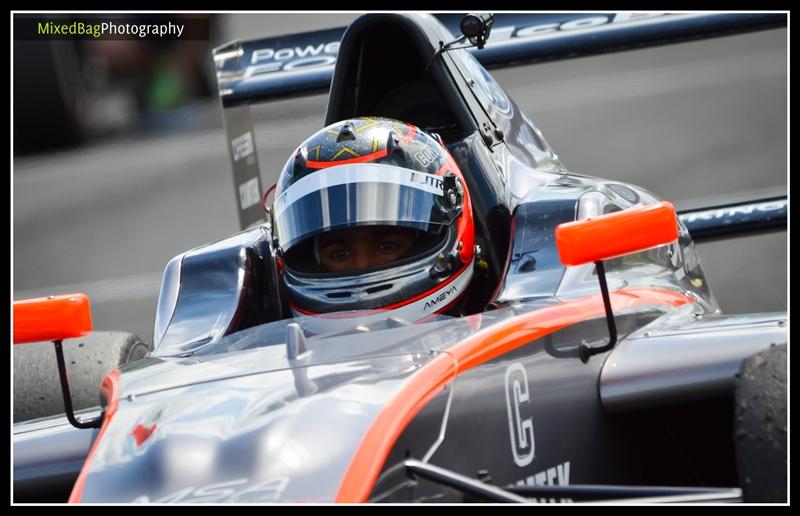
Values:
[(694, 122)]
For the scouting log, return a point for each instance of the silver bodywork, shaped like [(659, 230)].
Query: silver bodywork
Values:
[(685, 356)]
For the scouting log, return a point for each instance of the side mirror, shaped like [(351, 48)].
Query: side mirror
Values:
[(477, 27), (56, 318), (52, 318), (609, 236), (616, 234)]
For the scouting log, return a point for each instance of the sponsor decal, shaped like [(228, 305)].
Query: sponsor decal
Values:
[(242, 146), (556, 476), (427, 179), (723, 213), (271, 60), (440, 299), (309, 57), (682, 258), (515, 32), (249, 194), (490, 92), (520, 420), (241, 490), (425, 156)]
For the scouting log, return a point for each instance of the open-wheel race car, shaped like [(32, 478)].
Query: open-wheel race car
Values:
[(591, 361)]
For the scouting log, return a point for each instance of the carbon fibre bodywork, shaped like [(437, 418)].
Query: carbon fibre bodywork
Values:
[(234, 406)]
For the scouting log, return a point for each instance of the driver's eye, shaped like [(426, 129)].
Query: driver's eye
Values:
[(339, 255), (388, 247)]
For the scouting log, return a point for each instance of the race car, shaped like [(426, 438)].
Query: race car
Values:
[(593, 364)]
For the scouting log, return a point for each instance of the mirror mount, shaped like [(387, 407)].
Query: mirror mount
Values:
[(586, 350), (610, 236), (475, 27), (62, 376)]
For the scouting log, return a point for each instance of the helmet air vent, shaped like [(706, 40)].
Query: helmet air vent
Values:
[(338, 295), (346, 134), (379, 288)]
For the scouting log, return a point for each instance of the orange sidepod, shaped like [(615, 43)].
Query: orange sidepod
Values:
[(52, 318), (616, 234)]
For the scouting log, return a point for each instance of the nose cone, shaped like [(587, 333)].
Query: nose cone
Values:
[(250, 438)]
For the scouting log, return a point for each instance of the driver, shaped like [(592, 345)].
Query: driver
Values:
[(373, 215)]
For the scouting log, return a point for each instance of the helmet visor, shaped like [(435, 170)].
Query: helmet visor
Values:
[(360, 194)]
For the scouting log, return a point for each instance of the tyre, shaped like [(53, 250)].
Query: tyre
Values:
[(37, 388), (760, 426)]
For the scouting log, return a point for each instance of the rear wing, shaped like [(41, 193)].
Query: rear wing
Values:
[(301, 64), (736, 219)]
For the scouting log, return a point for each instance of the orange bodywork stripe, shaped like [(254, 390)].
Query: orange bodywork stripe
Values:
[(52, 318), (109, 390), (494, 341)]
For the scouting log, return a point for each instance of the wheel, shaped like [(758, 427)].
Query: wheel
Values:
[(37, 388), (760, 426)]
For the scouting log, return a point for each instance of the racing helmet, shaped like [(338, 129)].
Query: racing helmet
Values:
[(371, 177)]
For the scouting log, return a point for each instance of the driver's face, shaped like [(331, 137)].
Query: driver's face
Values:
[(357, 248)]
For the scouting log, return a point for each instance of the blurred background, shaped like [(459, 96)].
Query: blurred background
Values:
[(120, 161)]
